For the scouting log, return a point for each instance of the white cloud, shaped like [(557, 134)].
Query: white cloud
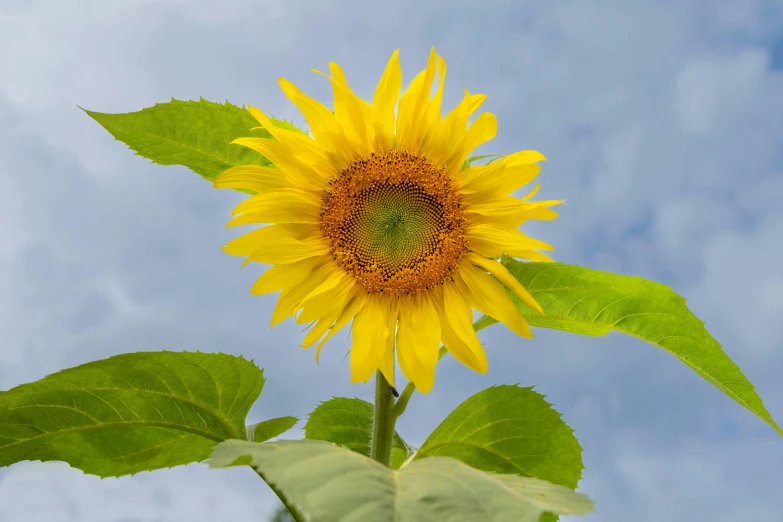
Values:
[(36, 492), (661, 121)]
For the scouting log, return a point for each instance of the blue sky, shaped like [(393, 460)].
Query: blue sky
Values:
[(663, 125)]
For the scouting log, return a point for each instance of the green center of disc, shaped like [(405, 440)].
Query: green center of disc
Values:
[(394, 226)]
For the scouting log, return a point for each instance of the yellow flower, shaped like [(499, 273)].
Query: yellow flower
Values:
[(374, 220)]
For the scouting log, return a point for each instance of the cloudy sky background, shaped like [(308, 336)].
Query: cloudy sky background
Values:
[(663, 125)]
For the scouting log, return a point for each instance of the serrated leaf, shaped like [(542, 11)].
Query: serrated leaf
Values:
[(195, 134), (590, 302), (129, 413), (269, 429), (285, 124), (329, 483), (348, 422), (509, 429)]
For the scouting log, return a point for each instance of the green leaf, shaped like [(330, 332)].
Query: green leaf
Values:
[(589, 302), (330, 484), (129, 413), (270, 429), (470, 160), (285, 124), (348, 422), (511, 430), (508, 429), (196, 134)]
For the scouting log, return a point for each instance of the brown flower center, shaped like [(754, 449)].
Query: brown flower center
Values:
[(395, 223)]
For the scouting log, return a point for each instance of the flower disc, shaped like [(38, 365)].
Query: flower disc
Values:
[(395, 223)]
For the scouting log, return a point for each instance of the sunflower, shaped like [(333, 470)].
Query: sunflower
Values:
[(375, 220)]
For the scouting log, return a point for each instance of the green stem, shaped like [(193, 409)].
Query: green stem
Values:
[(383, 421)]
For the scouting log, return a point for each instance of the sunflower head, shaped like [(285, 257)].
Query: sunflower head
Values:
[(373, 221)]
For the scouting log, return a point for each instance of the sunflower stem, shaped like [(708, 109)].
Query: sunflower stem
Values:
[(383, 421)]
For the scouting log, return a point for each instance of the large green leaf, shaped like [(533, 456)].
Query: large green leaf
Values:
[(129, 413), (348, 422), (196, 134), (329, 483), (589, 302)]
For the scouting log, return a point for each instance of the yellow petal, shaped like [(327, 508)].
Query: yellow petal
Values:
[(445, 136), (282, 206), (386, 364), (433, 111), (426, 336), (320, 328), (285, 251), (248, 243), (488, 296), (459, 337), (508, 180), (252, 177), (325, 302), (413, 106), (289, 299), (352, 112), (299, 173), (493, 241), (504, 276), (301, 145), (283, 277), (508, 205), (336, 280), (406, 352), (532, 192), (370, 331), (502, 176), (384, 101), (535, 256), (323, 124), (483, 129), (355, 304), (329, 315)]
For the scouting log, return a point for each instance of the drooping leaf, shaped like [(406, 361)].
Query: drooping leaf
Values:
[(195, 134), (590, 302), (348, 422), (129, 413), (329, 483), (269, 429)]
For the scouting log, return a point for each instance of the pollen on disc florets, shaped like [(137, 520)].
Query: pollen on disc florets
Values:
[(394, 222)]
